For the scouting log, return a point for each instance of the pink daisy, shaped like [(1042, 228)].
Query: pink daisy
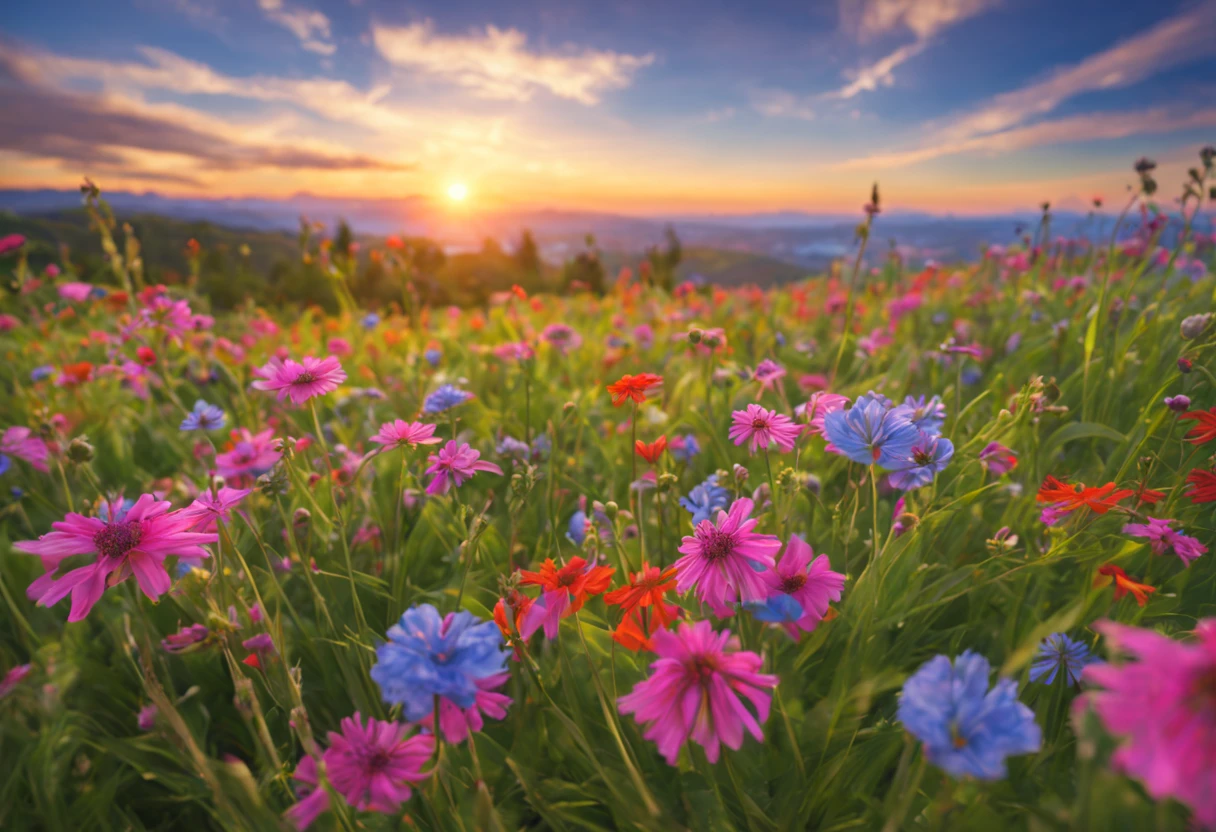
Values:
[(128, 541), (760, 428), (300, 380), (75, 291), (211, 505), (718, 559), (21, 443), (457, 722), (251, 454), (694, 692), (817, 407), (813, 588), (454, 464), (400, 433)]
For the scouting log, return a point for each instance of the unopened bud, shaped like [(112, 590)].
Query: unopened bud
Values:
[(740, 473), (1194, 325), (611, 509), (301, 517), (694, 335), (1185, 365), (79, 450)]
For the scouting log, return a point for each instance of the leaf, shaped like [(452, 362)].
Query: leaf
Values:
[(1079, 430)]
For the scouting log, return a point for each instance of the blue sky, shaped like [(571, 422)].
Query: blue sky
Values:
[(967, 106)]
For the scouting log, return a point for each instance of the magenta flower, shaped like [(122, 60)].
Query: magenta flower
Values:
[(1163, 706), (251, 454), (457, 722), (302, 380), (760, 428), (399, 433), (130, 541), (720, 560), (13, 678), (998, 459), (211, 505), (21, 443), (371, 766), (811, 583), (454, 464), (768, 373), (75, 291), (817, 407), (1162, 538), (693, 692)]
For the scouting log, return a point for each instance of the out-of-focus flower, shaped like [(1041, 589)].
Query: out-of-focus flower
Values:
[(561, 337), (204, 417), (705, 499), (683, 447), (1204, 429), (13, 678), (998, 459), (251, 454), (1203, 486), (1163, 538), (769, 373), (400, 433), (633, 388), (1123, 584), (23, 444), (75, 292), (186, 638), (211, 506), (927, 416), (1179, 404), (453, 465), (445, 398)]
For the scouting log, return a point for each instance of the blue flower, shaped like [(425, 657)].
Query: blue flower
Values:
[(780, 609), (514, 448), (429, 655), (371, 320), (972, 375), (204, 417), (39, 373), (685, 449), (871, 434), (576, 533), (706, 499), (541, 445), (927, 416), (968, 730), (445, 398), (5, 464), (928, 456), (15, 491), (433, 356), (1057, 652)]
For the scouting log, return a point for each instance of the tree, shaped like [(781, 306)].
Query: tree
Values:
[(663, 263), (527, 256)]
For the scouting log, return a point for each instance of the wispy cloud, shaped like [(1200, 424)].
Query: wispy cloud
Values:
[(497, 63), (776, 103), (881, 73), (310, 26)]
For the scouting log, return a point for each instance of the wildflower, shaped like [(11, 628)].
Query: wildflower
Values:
[(693, 692), (185, 639), (302, 380), (204, 417), (251, 454), (646, 588), (817, 407), (561, 337), (129, 541), (760, 428), (1162, 538), (768, 373), (214, 505), (1059, 652), (13, 678), (870, 433), (928, 457), (810, 584), (1204, 429), (75, 291), (1204, 490), (651, 452), (1179, 404), (927, 416), (1066, 498), (453, 465), (998, 459), (146, 718), (633, 388), (370, 321), (427, 655), (21, 443), (684, 448), (1124, 584), (705, 499), (445, 398), (71, 375), (400, 433), (967, 729), (718, 559), (10, 243), (1162, 706), (457, 723), (564, 590), (1193, 326), (43, 372)]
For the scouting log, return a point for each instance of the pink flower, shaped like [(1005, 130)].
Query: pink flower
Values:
[(300, 380), (760, 428), (75, 291), (453, 465), (1162, 704), (339, 346), (21, 443), (513, 351), (13, 678), (812, 588), (371, 766), (718, 559), (1162, 538), (457, 722), (400, 432), (10, 243), (817, 407), (174, 317), (127, 542), (251, 454), (768, 373), (998, 459), (211, 505), (8, 323), (693, 692)]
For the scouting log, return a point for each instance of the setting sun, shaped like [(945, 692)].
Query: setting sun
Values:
[(457, 191)]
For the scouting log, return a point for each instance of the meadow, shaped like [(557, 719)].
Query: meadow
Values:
[(886, 548)]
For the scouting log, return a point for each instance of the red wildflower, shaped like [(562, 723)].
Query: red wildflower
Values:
[(252, 660), (519, 291), (1205, 486), (1204, 431), (645, 589), (577, 578), (146, 356), (637, 628), (653, 451), (1099, 499), (77, 373), (633, 387), (1124, 584), (1149, 496)]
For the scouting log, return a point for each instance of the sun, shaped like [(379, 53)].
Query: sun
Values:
[(458, 191)]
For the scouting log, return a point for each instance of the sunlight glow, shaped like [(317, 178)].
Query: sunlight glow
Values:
[(457, 191)]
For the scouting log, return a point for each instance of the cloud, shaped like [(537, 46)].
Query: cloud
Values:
[(310, 27), (497, 63), (718, 115), (870, 19), (870, 78), (776, 103)]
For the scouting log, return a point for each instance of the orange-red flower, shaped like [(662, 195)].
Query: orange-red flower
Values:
[(575, 578), (645, 610), (1099, 499), (1149, 496), (77, 373), (653, 451), (1204, 429), (633, 388), (1124, 584), (1205, 486), (520, 604)]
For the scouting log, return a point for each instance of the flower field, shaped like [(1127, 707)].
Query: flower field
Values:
[(889, 548)]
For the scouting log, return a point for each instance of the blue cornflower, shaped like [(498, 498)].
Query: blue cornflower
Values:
[(371, 320), (576, 533), (685, 449), (429, 655), (15, 491), (706, 499), (870, 433), (542, 445), (445, 398), (968, 730), (513, 448), (204, 417), (930, 455), (39, 373), (1059, 652), (5, 464), (927, 416), (780, 609), (433, 356), (972, 375)]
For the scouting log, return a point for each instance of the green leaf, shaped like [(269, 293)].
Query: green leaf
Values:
[(1079, 430)]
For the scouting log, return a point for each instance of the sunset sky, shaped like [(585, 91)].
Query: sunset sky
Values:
[(967, 106)]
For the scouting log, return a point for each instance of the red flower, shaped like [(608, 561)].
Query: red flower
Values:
[(575, 578), (1149, 496), (633, 387), (77, 373), (1124, 584), (252, 660), (653, 451), (1099, 499), (1203, 432), (644, 607), (146, 356), (1205, 486)]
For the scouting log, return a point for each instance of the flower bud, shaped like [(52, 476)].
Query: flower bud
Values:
[(694, 336), (740, 473), (79, 450), (1194, 325), (611, 509), (1178, 403), (301, 517), (1184, 365)]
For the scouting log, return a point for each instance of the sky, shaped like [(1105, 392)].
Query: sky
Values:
[(624, 106)]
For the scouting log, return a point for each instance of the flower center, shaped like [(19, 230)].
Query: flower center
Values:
[(305, 378), (759, 424), (720, 545), (1203, 691), (116, 539), (703, 667), (566, 578), (922, 456), (377, 761), (792, 583), (956, 737)]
